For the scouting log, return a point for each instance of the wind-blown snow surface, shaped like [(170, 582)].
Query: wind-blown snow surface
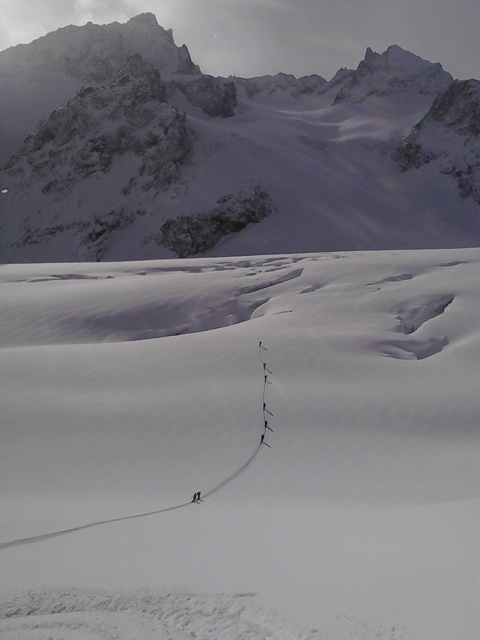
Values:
[(126, 387)]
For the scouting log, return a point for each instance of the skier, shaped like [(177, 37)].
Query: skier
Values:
[(265, 410), (262, 441)]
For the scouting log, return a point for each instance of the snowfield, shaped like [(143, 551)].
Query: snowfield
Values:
[(126, 387)]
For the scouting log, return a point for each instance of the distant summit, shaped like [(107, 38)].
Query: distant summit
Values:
[(93, 52), (392, 72), (146, 19)]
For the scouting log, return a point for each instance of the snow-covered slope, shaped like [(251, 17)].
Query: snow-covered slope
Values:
[(126, 387), (324, 152)]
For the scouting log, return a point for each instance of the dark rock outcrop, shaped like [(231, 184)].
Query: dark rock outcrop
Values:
[(190, 235), (214, 96), (449, 134)]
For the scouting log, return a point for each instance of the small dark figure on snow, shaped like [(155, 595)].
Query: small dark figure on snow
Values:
[(265, 410), (262, 440)]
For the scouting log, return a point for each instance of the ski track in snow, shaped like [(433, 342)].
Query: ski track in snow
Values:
[(363, 505), (55, 534)]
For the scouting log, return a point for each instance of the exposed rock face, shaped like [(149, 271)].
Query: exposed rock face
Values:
[(458, 108), (94, 235), (392, 72), (411, 154), (281, 83), (341, 78), (101, 124), (190, 235), (216, 97), (450, 134)]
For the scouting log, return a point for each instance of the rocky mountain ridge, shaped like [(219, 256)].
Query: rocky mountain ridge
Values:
[(92, 53), (148, 157), (395, 71), (449, 133), (101, 124)]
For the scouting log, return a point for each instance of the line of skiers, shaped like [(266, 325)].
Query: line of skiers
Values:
[(196, 496), (266, 371)]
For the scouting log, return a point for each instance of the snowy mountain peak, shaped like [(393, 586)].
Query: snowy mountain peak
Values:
[(93, 52), (394, 71), (146, 19), (148, 24), (394, 59)]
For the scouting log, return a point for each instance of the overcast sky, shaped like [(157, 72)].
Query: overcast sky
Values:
[(256, 37)]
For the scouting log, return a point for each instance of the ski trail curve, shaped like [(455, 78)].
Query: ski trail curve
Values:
[(234, 475), (55, 534)]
